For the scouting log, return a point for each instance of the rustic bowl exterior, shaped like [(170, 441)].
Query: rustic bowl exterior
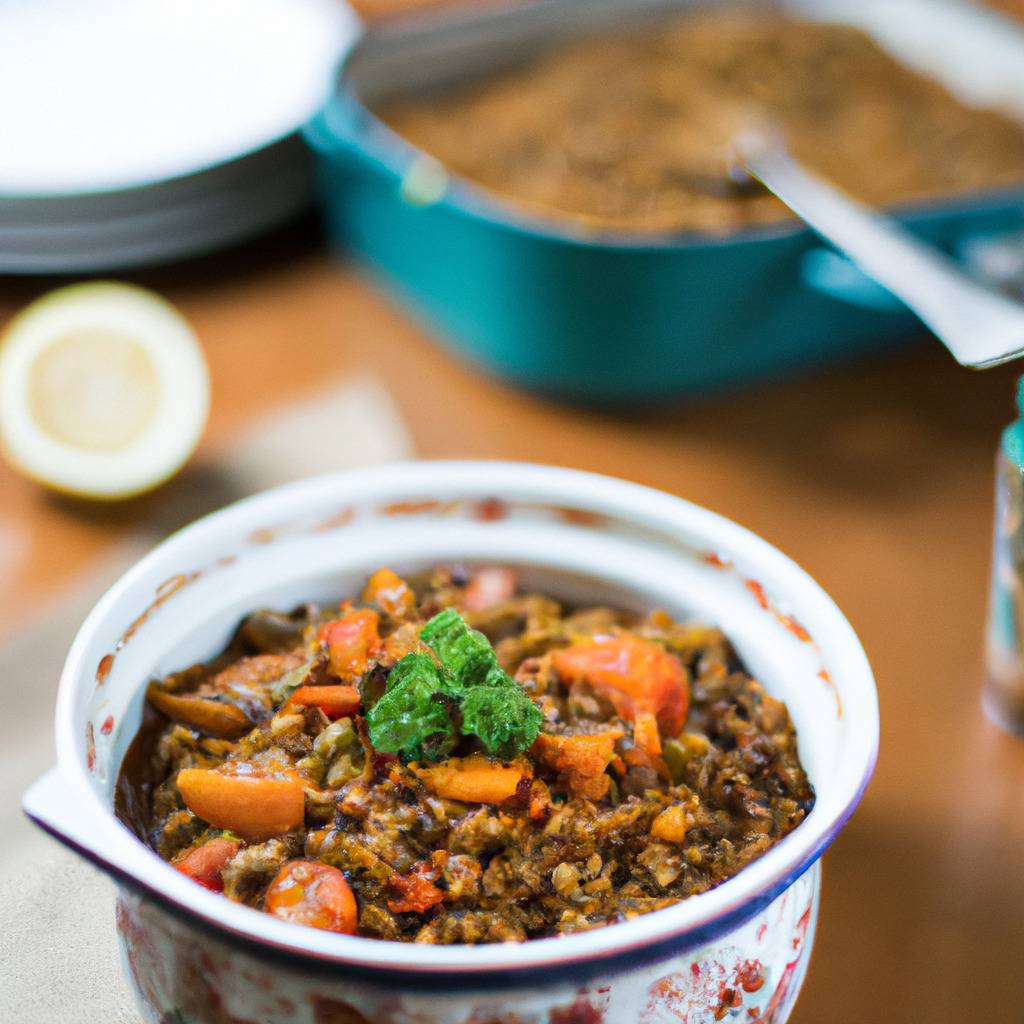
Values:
[(185, 975), (197, 958)]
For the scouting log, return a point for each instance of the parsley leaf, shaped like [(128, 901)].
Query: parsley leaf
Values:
[(503, 717), (465, 653), (416, 716), (412, 718)]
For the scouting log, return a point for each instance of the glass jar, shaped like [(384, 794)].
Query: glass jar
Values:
[(1003, 695)]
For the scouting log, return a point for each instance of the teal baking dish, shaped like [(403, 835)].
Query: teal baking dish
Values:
[(606, 317)]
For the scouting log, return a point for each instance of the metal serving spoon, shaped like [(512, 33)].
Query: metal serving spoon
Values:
[(980, 327)]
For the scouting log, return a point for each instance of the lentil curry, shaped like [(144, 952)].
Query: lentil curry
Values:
[(633, 131), (449, 760)]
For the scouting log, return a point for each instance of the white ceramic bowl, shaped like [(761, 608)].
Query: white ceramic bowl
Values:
[(196, 957)]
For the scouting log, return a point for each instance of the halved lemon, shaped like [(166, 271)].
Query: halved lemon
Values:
[(104, 391)]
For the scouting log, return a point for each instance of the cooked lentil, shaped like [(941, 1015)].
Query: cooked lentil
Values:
[(662, 768), (633, 131)]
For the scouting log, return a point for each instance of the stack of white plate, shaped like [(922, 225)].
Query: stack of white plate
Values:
[(136, 132)]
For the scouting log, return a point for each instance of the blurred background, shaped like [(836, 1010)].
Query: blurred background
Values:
[(419, 229)]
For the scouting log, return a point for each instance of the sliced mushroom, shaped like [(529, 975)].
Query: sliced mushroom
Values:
[(214, 717)]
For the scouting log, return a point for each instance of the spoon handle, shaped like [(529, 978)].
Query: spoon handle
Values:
[(980, 327)]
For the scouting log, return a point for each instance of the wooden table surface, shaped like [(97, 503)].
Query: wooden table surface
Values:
[(876, 477)]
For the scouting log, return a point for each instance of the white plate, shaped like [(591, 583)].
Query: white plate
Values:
[(116, 94), (264, 166), (156, 233)]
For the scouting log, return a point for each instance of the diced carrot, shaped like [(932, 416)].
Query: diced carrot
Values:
[(333, 701), (205, 863), (313, 894), (352, 641), (389, 592), (415, 891), (252, 806), (539, 806), (475, 779), (488, 587), (214, 717), (670, 825), (402, 641), (645, 732), (580, 760), (639, 677), (634, 757)]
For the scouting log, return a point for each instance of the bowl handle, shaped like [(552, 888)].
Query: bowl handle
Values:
[(58, 809)]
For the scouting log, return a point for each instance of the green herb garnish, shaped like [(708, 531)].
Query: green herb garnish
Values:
[(426, 706), (463, 652), (503, 717), (413, 718)]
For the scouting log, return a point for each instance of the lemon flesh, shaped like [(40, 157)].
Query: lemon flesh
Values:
[(104, 391)]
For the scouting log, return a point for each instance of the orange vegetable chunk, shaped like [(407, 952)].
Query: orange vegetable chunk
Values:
[(646, 733), (333, 701), (352, 641), (214, 717), (475, 779), (205, 863), (581, 760), (415, 892), (639, 677), (252, 806), (386, 589), (670, 825), (313, 894)]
